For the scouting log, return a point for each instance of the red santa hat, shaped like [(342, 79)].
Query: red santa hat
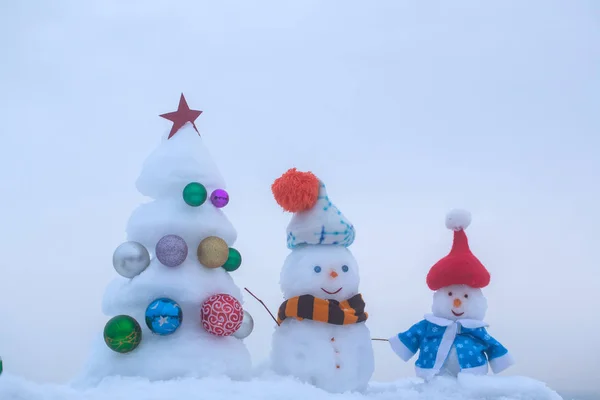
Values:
[(460, 266)]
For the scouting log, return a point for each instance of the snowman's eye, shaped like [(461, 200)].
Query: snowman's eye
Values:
[(449, 293), (317, 269), (466, 296), (345, 268)]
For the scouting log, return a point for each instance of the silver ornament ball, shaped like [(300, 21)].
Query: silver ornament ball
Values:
[(131, 259), (246, 328)]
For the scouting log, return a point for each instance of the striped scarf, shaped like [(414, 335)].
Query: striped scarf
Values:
[(351, 311)]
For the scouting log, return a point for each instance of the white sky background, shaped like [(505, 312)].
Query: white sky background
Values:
[(404, 108)]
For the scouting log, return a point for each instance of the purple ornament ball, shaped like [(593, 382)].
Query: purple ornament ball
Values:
[(171, 250), (219, 198)]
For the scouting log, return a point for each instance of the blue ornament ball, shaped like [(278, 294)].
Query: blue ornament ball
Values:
[(163, 316)]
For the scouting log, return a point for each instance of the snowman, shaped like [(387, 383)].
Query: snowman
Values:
[(454, 338), (322, 337)]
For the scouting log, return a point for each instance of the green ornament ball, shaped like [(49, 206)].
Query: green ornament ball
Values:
[(0, 365), (195, 194), (122, 334), (233, 261)]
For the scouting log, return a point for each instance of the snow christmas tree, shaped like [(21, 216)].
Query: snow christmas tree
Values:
[(175, 311)]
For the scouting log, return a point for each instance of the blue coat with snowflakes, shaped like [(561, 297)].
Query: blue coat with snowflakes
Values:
[(435, 337)]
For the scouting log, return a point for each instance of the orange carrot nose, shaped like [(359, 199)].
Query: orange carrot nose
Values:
[(457, 303), (334, 274)]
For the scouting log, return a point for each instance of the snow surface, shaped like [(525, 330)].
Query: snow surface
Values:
[(190, 351), (474, 306), (457, 220), (304, 349), (267, 386), (149, 222), (185, 283), (298, 276), (331, 357), (176, 162)]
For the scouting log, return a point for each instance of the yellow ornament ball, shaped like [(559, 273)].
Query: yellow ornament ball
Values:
[(213, 252)]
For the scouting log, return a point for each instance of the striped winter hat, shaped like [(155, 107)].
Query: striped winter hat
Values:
[(316, 220)]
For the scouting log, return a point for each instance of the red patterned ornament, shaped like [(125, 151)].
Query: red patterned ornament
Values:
[(222, 315)]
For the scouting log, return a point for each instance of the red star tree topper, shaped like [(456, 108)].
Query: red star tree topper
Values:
[(181, 116)]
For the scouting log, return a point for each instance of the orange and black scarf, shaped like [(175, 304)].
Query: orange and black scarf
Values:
[(351, 311)]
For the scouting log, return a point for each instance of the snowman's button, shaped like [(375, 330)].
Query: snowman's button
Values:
[(333, 339), (337, 366)]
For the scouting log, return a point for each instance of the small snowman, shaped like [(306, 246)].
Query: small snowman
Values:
[(453, 339), (322, 337)]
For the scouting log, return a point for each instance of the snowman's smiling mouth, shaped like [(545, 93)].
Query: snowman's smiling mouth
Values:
[(457, 314), (328, 292)]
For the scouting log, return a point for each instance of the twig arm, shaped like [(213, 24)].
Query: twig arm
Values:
[(263, 304)]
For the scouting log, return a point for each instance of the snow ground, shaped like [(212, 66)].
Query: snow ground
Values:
[(268, 386)]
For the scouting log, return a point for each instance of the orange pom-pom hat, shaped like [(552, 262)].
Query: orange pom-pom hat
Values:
[(296, 191), (316, 220)]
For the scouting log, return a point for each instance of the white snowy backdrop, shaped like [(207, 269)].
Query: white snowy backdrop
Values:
[(404, 108)]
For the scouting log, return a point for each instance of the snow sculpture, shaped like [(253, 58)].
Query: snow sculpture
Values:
[(453, 339), (189, 274), (322, 338)]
